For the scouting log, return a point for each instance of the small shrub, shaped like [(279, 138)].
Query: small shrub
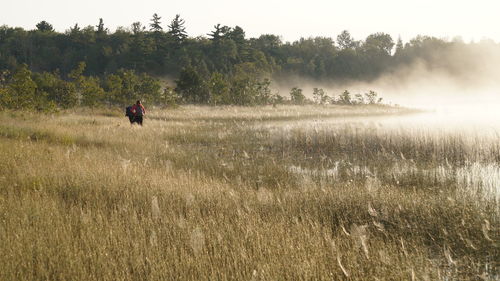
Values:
[(296, 96)]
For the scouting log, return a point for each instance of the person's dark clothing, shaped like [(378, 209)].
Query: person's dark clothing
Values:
[(138, 112), (138, 119)]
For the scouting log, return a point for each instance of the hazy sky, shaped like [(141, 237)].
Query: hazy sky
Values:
[(290, 19)]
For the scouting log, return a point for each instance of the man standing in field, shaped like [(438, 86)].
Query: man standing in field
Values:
[(139, 111)]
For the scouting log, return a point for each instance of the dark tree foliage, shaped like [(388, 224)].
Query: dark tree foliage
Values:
[(191, 86), (44, 26), (216, 34), (177, 30), (74, 29), (223, 68), (46, 91), (155, 24), (345, 41), (161, 52), (100, 27)]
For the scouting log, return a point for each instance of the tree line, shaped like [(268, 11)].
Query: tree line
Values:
[(89, 65), (46, 91)]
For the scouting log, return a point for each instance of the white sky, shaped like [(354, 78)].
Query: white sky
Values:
[(472, 20)]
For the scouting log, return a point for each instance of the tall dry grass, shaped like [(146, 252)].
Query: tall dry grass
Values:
[(245, 194)]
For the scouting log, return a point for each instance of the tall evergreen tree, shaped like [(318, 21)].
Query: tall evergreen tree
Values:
[(100, 27), (155, 24), (75, 29), (44, 26), (219, 32), (216, 34), (177, 29), (237, 34)]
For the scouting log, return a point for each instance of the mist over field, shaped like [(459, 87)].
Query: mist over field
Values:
[(465, 79)]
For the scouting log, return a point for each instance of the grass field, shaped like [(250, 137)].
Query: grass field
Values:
[(231, 193)]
